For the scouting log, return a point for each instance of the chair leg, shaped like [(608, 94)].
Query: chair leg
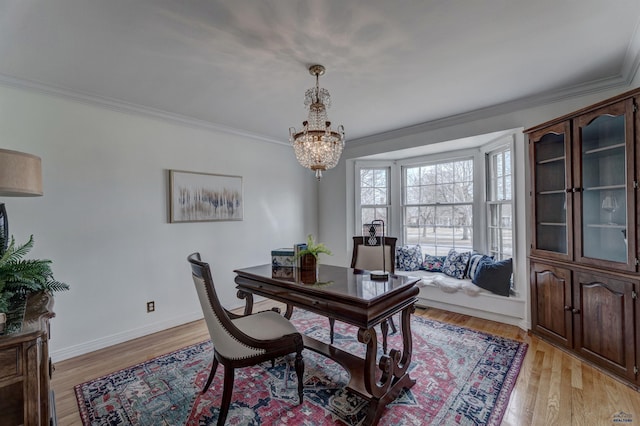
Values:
[(300, 374), (393, 325), (332, 323), (226, 394), (214, 367), (384, 327)]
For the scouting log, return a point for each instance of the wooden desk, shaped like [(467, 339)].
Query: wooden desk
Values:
[(348, 295)]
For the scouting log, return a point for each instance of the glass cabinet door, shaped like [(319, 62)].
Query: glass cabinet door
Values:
[(551, 203), (604, 217)]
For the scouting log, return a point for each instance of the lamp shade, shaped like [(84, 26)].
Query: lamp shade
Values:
[(20, 174)]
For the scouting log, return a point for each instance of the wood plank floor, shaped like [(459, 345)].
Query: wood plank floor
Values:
[(553, 388)]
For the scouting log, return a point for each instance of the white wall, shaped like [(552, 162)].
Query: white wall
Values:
[(103, 218)]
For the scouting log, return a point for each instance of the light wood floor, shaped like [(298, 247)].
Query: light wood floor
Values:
[(553, 388)]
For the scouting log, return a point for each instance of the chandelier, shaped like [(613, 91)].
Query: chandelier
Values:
[(316, 145)]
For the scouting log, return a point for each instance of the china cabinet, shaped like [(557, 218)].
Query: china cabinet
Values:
[(584, 273)]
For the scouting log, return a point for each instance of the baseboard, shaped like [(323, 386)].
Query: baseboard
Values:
[(114, 339)]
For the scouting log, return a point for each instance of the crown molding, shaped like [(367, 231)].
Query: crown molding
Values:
[(543, 98), (129, 108), (630, 68)]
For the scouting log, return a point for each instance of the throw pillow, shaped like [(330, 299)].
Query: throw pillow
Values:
[(409, 258), (494, 276), (455, 264), (474, 261), (433, 263)]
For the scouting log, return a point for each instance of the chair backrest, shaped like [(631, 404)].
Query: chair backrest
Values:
[(370, 257), (221, 328)]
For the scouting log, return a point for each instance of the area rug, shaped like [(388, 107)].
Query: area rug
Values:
[(462, 377)]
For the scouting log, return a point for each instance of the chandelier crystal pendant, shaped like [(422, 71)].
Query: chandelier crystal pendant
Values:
[(316, 145)]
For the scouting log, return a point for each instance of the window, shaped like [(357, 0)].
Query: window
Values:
[(438, 206), (499, 203), (374, 195)]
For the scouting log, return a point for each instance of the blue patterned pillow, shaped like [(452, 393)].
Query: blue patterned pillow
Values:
[(455, 265), (474, 261), (409, 258), (433, 263)]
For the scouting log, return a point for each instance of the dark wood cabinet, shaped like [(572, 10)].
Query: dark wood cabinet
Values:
[(584, 251), (604, 316), (605, 181), (25, 368), (551, 303), (550, 153)]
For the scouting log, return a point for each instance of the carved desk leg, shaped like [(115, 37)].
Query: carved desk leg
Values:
[(394, 368), (248, 297)]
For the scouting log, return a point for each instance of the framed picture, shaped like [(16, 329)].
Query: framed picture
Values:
[(204, 197)]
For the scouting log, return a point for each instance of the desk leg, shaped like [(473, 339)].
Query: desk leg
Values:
[(394, 368), (248, 300)]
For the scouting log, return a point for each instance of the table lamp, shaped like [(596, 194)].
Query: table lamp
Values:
[(20, 176)]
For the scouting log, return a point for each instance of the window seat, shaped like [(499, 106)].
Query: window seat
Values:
[(442, 291)]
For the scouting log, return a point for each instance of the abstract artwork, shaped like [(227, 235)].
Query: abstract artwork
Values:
[(203, 197)]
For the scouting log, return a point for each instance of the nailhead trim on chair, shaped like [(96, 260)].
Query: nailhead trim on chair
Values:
[(200, 282)]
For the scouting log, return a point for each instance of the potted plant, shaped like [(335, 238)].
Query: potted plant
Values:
[(20, 277), (309, 255)]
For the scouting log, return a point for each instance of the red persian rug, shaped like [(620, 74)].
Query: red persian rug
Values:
[(462, 377)]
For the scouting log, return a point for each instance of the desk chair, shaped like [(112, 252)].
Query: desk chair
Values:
[(369, 257), (242, 341)]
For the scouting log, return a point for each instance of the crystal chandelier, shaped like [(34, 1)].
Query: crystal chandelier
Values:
[(317, 146)]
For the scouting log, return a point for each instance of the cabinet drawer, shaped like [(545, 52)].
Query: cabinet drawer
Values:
[(9, 362)]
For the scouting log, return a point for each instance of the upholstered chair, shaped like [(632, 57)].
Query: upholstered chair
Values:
[(242, 341), (369, 257)]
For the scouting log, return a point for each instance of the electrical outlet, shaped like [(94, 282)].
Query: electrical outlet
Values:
[(151, 306)]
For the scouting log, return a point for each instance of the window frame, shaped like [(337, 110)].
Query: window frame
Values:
[(377, 165), (490, 203), (436, 204)]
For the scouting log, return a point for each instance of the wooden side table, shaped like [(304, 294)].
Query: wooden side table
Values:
[(25, 367)]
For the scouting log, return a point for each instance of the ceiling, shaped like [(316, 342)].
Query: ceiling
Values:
[(241, 65)]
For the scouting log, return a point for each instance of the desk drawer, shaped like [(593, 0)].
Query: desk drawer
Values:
[(9, 362)]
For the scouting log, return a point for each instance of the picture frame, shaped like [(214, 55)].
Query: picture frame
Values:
[(204, 197)]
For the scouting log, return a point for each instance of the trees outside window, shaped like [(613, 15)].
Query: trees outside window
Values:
[(438, 206), (374, 200)]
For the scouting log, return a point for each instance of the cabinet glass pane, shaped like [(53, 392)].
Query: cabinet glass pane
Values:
[(550, 187), (604, 200)]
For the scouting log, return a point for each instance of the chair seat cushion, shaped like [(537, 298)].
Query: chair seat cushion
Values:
[(264, 325)]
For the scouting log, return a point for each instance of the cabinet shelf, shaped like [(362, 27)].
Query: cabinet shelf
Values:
[(605, 187), (604, 148), (551, 160), (606, 225), (555, 191), (552, 224)]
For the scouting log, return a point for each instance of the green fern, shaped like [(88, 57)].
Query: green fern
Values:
[(313, 249), (20, 276)]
